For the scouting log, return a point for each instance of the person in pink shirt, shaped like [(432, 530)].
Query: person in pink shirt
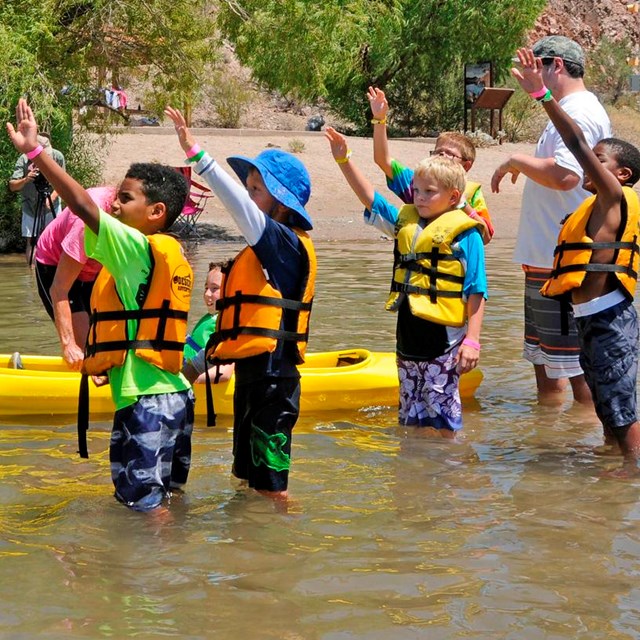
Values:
[(65, 276)]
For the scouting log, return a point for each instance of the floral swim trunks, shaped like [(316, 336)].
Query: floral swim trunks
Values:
[(430, 393)]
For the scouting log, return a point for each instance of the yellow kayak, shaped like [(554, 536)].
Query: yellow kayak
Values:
[(337, 380)]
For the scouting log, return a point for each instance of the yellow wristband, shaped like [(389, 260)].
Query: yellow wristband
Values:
[(345, 159), (376, 121)]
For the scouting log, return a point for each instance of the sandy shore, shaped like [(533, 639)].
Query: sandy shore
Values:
[(336, 213)]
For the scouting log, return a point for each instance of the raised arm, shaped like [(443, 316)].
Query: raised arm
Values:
[(24, 139), (379, 110), (529, 76), (247, 215), (356, 179)]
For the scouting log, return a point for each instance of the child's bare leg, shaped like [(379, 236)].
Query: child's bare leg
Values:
[(629, 440), (610, 439), (581, 391)]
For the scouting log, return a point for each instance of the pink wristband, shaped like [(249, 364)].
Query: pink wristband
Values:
[(194, 151), (539, 93), (34, 153), (471, 343)]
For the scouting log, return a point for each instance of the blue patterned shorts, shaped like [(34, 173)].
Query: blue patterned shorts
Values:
[(609, 358), (150, 450), (430, 393)]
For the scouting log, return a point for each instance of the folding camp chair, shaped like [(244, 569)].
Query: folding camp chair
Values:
[(186, 223)]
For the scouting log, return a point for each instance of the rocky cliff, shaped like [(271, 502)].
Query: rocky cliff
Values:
[(589, 21)]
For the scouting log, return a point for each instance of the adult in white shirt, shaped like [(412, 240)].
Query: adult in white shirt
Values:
[(553, 189)]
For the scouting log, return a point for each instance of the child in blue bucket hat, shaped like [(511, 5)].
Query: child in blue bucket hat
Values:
[(265, 303)]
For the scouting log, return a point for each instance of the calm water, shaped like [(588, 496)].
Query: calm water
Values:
[(510, 534)]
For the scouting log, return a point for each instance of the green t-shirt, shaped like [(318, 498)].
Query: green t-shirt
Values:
[(198, 337), (124, 253)]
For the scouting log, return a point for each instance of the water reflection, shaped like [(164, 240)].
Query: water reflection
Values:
[(512, 533)]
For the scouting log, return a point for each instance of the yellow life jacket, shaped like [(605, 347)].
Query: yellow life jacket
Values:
[(572, 256), (162, 317), (470, 189), (425, 268), (252, 311)]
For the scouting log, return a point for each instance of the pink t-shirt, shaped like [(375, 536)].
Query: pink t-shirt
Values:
[(66, 233)]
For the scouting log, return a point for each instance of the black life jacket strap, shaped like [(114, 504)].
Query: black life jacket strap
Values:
[(409, 288), (83, 416), (234, 332), (163, 313), (283, 303), (211, 414), (419, 268), (595, 246), (119, 345), (412, 257), (595, 268)]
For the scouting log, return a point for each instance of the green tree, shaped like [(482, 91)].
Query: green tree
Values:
[(413, 49), (608, 72), (58, 53)]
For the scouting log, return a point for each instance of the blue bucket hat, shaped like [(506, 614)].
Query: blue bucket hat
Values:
[(285, 177)]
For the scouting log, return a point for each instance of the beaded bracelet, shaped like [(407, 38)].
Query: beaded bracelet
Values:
[(471, 343)]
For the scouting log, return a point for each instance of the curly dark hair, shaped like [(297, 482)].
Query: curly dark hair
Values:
[(161, 183), (626, 155)]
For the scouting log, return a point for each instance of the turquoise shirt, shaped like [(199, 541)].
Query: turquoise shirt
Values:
[(125, 254)]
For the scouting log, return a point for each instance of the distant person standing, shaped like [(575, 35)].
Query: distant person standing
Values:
[(33, 187), (553, 190)]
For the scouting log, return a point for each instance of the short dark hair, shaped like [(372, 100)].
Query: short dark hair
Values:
[(161, 183), (220, 265), (573, 69), (626, 155)]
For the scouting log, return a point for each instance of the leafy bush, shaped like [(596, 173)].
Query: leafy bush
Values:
[(230, 98), (607, 73), (296, 145)]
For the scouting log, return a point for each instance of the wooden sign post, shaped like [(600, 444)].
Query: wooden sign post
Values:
[(494, 99)]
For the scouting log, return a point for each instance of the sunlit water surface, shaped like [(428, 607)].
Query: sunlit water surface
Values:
[(513, 533)]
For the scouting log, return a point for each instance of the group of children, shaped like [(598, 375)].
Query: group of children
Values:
[(263, 297)]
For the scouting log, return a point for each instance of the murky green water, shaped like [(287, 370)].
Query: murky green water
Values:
[(510, 534)]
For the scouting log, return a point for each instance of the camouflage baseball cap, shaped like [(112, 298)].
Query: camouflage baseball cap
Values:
[(559, 47)]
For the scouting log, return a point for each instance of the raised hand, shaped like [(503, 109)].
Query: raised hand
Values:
[(378, 103), (529, 72), (184, 135), (25, 134), (338, 142)]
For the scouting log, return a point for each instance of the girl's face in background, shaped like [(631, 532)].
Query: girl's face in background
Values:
[(212, 290)]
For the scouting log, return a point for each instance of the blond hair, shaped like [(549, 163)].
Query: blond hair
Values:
[(460, 143), (447, 173)]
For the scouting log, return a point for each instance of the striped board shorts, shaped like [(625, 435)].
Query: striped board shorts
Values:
[(550, 334)]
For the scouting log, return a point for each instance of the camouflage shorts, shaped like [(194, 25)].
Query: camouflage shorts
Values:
[(609, 357), (150, 450)]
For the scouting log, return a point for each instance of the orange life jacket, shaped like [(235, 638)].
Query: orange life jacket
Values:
[(162, 317), (572, 256), (252, 311)]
